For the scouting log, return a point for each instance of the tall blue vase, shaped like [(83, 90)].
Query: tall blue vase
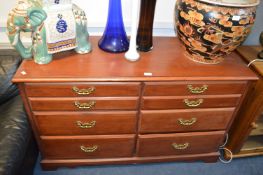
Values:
[(114, 38)]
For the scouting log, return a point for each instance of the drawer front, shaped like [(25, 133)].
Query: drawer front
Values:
[(170, 102), (185, 120), (194, 88), (83, 104), (176, 144), (87, 123), (89, 147), (82, 89)]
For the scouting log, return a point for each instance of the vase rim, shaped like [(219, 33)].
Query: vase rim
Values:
[(233, 3)]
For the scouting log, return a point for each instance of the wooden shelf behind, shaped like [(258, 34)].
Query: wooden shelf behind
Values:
[(252, 143), (259, 130)]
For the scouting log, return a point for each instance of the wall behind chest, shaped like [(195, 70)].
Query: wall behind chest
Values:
[(97, 16)]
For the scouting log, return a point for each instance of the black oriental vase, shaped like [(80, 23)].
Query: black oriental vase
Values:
[(212, 29)]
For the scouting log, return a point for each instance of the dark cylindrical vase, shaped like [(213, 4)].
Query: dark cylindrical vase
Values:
[(145, 29), (261, 38), (260, 55), (114, 38)]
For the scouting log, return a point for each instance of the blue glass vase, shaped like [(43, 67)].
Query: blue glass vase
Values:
[(114, 38)]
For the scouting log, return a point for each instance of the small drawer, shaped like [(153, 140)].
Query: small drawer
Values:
[(182, 143), (87, 147), (85, 123), (190, 102), (82, 89), (185, 120), (194, 88), (83, 104)]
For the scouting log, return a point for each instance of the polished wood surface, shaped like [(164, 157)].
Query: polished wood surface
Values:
[(164, 121), (166, 62), (249, 53), (73, 123), (99, 108), (53, 164), (98, 89), (57, 147), (178, 102), (181, 88), (68, 104), (192, 143), (250, 111)]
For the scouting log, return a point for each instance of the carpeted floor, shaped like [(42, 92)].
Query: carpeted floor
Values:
[(242, 166)]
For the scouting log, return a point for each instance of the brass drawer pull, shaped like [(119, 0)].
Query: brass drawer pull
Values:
[(89, 149), (187, 122), (180, 146), (197, 90), (86, 125), (89, 105), (193, 103), (83, 91)]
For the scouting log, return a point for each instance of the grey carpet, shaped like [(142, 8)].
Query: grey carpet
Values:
[(242, 166)]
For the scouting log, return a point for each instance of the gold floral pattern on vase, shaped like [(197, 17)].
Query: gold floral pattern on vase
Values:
[(209, 32)]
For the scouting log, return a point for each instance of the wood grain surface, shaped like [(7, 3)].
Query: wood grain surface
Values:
[(178, 102), (182, 88), (100, 89), (165, 121), (68, 104), (165, 62), (67, 123), (163, 144), (108, 146)]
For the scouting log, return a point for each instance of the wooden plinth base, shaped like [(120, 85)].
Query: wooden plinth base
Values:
[(48, 164)]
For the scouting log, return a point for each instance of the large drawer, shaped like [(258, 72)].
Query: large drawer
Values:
[(82, 89), (190, 102), (177, 144), (161, 121), (85, 123), (194, 87), (87, 147), (83, 104)]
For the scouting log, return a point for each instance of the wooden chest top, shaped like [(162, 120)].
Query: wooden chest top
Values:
[(165, 62)]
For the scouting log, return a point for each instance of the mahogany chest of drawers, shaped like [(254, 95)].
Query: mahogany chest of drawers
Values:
[(101, 109)]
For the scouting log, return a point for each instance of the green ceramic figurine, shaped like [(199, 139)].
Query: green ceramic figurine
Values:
[(56, 25)]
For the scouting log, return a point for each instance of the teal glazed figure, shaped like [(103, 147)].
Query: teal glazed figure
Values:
[(55, 26)]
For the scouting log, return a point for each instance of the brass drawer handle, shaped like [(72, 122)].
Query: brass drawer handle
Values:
[(193, 103), (89, 105), (83, 91), (180, 146), (89, 149), (86, 125), (197, 90), (187, 122)]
